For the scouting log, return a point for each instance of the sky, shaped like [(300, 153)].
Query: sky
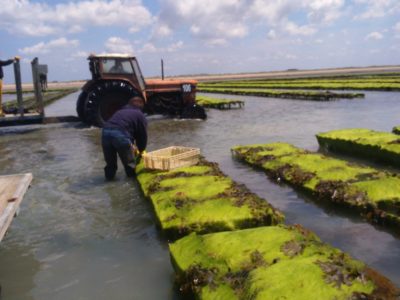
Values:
[(199, 36)]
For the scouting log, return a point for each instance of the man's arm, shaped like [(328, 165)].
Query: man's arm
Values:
[(141, 134), (6, 62)]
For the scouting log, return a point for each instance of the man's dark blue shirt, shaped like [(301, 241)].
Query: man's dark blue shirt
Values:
[(130, 120), (4, 63)]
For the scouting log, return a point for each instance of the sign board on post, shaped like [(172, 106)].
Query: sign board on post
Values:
[(42, 69), (36, 85)]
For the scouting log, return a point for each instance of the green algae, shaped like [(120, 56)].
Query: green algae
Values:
[(202, 199), (286, 94), (275, 262), (218, 103), (373, 193), (370, 144)]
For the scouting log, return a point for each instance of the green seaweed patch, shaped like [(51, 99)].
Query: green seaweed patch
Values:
[(396, 130), (30, 103), (373, 193), (202, 199), (287, 94), (275, 262), (218, 103), (370, 144)]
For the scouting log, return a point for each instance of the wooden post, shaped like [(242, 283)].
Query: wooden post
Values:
[(18, 86), (36, 86)]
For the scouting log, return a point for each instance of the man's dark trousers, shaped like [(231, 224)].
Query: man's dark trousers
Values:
[(115, 141)]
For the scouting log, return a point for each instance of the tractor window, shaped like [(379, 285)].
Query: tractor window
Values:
[(117, 66), (138, 73)]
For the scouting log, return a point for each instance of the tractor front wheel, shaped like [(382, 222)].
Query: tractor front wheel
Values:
[(194, 111)]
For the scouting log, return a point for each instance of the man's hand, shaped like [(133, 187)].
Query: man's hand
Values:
[(139, 156)]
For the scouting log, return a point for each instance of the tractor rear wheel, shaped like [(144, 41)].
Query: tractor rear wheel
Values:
[(104, 99)]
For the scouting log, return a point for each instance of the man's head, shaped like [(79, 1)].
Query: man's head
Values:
[(137, 101)]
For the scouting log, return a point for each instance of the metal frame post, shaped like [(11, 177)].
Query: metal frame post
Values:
[(36, 85), (18, 86)]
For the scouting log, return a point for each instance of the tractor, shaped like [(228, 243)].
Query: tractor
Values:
[(117, 77)]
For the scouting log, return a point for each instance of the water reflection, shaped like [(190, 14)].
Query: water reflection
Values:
[(17, 271)]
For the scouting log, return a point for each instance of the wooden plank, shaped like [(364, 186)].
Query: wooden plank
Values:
[(12, 188)]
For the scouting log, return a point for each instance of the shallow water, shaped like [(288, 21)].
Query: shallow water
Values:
[(79, 237), (10, 97)]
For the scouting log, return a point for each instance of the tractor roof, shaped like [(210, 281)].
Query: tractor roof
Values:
[(111, 55)]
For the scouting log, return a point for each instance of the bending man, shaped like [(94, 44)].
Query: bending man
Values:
[(125, 134)]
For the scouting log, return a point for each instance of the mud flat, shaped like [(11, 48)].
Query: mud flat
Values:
[(372, 193), (202, 199), (370, 144), (276, 262)]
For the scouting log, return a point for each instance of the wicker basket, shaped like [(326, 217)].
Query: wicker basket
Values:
[(171, 158)]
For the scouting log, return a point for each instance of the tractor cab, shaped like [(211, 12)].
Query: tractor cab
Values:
[(117, 66)]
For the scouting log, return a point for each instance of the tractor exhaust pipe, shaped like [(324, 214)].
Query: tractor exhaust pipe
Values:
[(162, 69)]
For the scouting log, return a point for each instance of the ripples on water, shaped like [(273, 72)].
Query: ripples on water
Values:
[(79, 237)]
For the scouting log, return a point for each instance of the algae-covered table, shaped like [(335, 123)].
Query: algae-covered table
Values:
[(239, 257), (373, 193), (218, 103), (275, 262), (370, 144), (12, 190), (202, 199)]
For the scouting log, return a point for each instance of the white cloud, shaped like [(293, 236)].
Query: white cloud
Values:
[(80, 54), (209, 20), (43, 48), (294, 29), (324, 10), (218, 22), (283, 56), (40, 19), (75, 29), (272, 11), (396, 29), (374, 51), (374, 36), (377, 8), (271, 34), (290, 56), (162, 30), (151, 48), (118, 45), (175, 46)]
